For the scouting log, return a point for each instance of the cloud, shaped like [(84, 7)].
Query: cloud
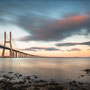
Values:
[(59, 29), (73, 44), (74, 49), (39, 19), (42, 48), (51, 49)]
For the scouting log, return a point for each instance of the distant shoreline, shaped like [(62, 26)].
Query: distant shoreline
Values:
[(46, 57)]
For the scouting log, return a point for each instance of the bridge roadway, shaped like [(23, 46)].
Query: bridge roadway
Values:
[(17, 53)]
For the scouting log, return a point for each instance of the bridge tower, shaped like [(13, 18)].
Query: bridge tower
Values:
[(5, 42)]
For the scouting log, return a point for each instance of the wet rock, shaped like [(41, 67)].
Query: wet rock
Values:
[(72, 82), (7, 77), (20, 75), (60, 87), (42, 81), (72, 89), (27, 78), (87, 71), (20, 82), (82, 75), (51, 88), (80, 83), (53, 84), (36, 89), (85, 88), (10, 72), (35, 76)]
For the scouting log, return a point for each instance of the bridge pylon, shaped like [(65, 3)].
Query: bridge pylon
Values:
[(5, 42)]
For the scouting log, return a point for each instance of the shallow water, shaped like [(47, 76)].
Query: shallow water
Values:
[(60, 69)]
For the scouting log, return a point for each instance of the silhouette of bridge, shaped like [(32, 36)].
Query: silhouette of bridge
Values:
[(13, 52)]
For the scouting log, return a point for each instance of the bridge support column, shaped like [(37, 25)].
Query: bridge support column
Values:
[(12, 53), (15, 54), (23, 54), (19, 54), (5, 42)]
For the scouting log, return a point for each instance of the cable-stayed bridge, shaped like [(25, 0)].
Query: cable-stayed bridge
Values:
[(13, 53)]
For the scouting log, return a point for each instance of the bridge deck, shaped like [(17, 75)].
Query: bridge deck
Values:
[(3, 47)]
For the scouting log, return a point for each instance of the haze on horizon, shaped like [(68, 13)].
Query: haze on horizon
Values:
[(54, 28)]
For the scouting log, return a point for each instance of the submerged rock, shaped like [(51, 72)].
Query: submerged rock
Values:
[(87, 71), (82, 75)]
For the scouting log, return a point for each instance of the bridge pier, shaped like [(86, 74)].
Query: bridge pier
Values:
[(20, 54), (16, 54), (24, 55), (5, 42), (12, 53)]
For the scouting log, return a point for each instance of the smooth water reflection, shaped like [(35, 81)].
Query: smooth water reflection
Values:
[(62, 69)]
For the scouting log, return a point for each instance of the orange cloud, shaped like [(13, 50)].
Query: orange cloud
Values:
[(60, 29), (72, 20)]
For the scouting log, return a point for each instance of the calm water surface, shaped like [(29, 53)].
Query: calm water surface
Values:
[(60, 69)]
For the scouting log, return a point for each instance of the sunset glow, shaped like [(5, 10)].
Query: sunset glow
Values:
[(47, 28)]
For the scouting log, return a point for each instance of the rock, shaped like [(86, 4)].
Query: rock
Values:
[(82, 75), (87, 71), (85, 88), (72, 89), (28, 78), (51, 88), (74, 81), (10, 72), (20, 75), (80, 83), (35, 77), (26, 83)]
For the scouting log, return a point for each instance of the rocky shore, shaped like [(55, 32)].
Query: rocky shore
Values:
[(16, 81)]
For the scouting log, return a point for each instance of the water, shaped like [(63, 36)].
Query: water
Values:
[(60, 69)]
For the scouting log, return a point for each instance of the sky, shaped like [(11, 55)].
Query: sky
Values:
[(53, 28)]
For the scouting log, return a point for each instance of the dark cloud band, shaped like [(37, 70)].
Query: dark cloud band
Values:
[(73, 44), (42, 48)]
